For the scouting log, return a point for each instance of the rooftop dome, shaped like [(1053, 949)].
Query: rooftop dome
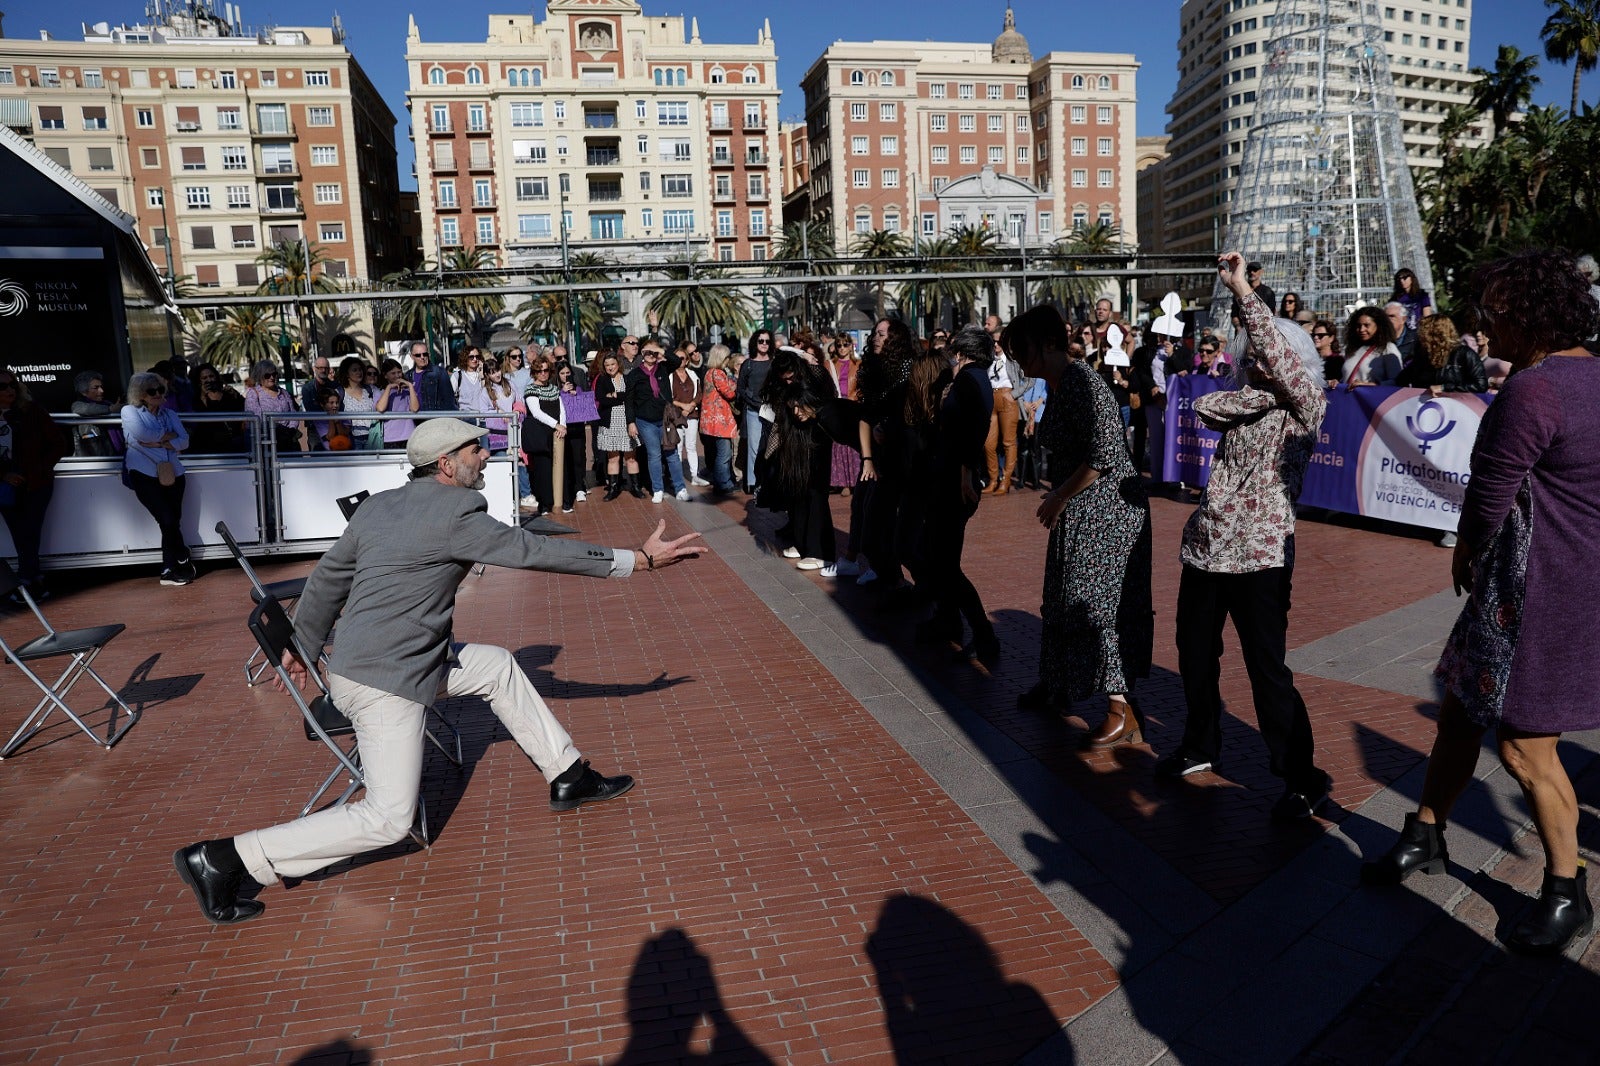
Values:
[(1011, 46)]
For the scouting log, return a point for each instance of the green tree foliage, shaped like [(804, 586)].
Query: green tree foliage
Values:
[(885, 252), (1507, 88), (244, 336), (1572, 35), (1073, 254), (681, 310)]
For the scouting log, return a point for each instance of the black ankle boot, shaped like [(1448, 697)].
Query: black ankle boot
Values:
[(1562, 915), (613, 486), (633, 487), (1420, 847)]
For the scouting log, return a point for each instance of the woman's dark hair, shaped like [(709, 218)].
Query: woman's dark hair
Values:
[(1041, 328), (325, 394), (348, 364), (882, 369), (1383, 337), (928, 370), (756, 336), (1283, 305), (1533, 303), (81, 383), (784, 362), (975, 344), (1405, 273), (796, 439), (385, 366), (1333, 334)]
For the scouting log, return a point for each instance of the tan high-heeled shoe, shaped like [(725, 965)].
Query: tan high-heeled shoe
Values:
[(1121, 726)]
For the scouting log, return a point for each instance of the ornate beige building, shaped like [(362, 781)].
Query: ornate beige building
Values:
[(219, 139), (612, 128)]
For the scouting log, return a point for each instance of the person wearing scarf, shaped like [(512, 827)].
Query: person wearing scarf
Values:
[(1238, 549), (649, 396), (545, 423)]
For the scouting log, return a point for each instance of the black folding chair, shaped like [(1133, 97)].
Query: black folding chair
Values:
[(348, 504), (286, 593), (81, 646), (322, 720)]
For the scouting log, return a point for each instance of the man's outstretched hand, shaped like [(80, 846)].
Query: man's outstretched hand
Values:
[(658, 552)]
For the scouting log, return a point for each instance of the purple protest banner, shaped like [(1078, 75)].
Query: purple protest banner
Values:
[(580, 406), (1186, 454)]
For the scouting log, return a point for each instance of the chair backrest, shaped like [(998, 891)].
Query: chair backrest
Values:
[(348, 504), (244, 564), (270, 625)]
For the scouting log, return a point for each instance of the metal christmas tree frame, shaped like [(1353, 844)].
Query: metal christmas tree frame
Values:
[(1324, 196)]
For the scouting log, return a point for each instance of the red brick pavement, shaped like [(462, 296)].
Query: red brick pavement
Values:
[(1212, 827), (781, 863)]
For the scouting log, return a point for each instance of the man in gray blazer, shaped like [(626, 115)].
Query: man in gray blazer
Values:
[(394, 575)]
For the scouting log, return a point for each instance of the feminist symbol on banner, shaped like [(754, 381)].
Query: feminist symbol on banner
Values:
[(1442, 427)]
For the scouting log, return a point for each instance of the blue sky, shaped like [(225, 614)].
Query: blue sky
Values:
[(1147, 28)]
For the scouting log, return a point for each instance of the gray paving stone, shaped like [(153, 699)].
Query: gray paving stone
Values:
[(962, 776)]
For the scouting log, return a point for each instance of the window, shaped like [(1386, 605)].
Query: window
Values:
[(317, 79), (436, 76), (752, 116), (1080, 146), (719, 115), (239, 196), (330, 193), (228, 118), (1046, 223), (277, 159), (228, 79), (444, 156), (235, 157), (197, 196), (528, 151), (149, 157), (1022, 153), (1104, 83), (272, 118), (243, 236), (186, 79), (888, 112), (7, 76), (525, 114), (93, 80), (1105, 216), (967, 123), (861, 179), (863, 221), (206, 276), (939, 155), (439, 118), (477, 118), (486, 230), (964, 91), (887, 77), (647, 217), (532, 227), (757, 186), (533, 189), (939, 184), (52, 118), (643, 144), (324, 155), (672, 112), (1102, 116), (144, 118), (677, 185), (1105, 179), (677, 221), (857, 78), (718, 76), (930, 224), (319, 116), (1022, 123), (997, 154), (447, 193), (891, 179), (1080, 113), (994, 92), (860, 145), (450, 233), (1077, 81), (482, 193), (725, 224), (1102, 146), (677, 149), (758, 222), (969, 154), (641, 109), (938, 123), (751, 76), (858, 111), (1080, 179), (937, 90), (888, 145), (100, 159), (724, 187), (474, 76), (269, 79), (194, 158), (1080, 216), (155, 197)]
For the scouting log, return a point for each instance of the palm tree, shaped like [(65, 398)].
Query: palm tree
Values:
[(296, 267), (943, 256), (802, 244), (1102, 239), (679, 310), (408, 316), (973, 246), (1572, 34), (472, 268), (183, 288), (246, 335), (1507, 88), (1539, 136), (886, 249)]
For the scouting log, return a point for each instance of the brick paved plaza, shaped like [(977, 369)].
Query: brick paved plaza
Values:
[(844, 847)]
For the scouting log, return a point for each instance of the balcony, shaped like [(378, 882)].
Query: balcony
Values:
[(288, 170), (722, 159), (754, 122), (723, 196), (453, 205), (756, 159), (603, 157), (274, 129), (294, 207), (478, 129), (443, 129), (479, 163), (599, 120), (720, 122), (757, 197), (605, 196)]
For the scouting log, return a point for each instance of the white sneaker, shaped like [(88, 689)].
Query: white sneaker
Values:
[(867, 577), (831, 570), (566, 510), (698, 480), (791, 553), (682, 496), (582, 496), (655, 497), (529, 501), (810, 563), (847, 568)]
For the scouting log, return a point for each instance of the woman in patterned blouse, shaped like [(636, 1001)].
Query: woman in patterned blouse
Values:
[(1238, 549)]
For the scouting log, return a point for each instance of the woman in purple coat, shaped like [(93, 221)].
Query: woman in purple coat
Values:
[(1525, 557)]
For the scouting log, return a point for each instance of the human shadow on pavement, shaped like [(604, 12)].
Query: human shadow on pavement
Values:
[(537, 661), (675, 1010), (945, 997), (340, 1052)]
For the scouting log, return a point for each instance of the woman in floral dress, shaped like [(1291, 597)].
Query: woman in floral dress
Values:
[(1099, 626), (1516, 661)]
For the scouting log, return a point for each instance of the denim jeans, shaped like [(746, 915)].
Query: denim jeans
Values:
[(752, 445), (650, 435), (721, 463)]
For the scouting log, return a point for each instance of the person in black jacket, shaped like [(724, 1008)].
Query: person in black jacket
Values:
[(613, 435), (958, 468), (1442, 362), (649, 393)]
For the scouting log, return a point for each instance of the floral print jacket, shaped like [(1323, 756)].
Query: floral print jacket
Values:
[(1245, 521)]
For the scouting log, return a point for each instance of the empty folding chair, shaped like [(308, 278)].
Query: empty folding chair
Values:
[(322, 720), (81, 646), (285, 592), (348, 504)]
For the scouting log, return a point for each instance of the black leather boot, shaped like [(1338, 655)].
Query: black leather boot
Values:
[(1420, 847), (613, 486), (1562, 915), (212, 870), (633, 487)]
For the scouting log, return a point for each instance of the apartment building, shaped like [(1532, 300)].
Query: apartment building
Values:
[(892, 124), (220, 140), (1221, 60), (599, 127), (794, 154)]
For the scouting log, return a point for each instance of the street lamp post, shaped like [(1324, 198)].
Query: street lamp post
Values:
[(172, 277), (566, 275)]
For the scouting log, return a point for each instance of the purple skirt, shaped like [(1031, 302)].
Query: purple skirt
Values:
[(846, 467)]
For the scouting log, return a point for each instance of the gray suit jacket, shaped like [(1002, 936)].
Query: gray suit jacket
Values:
[(395, 572)]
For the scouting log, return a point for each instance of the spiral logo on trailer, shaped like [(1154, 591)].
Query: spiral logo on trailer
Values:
[(13, 298)]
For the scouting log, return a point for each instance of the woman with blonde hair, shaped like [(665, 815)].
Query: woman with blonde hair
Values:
[(718, 424), (1443, 363)]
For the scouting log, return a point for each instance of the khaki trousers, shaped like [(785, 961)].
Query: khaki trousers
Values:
[(389, 734), (1002, 430)]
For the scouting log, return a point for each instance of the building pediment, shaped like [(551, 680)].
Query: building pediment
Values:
[(986, 185), (590, 7)]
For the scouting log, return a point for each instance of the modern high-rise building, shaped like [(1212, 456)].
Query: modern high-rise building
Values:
[(1221, 61), (891, 124), (220, 139), (601, 129)]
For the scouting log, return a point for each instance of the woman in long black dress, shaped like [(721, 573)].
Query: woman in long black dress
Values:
[(1099, 626)]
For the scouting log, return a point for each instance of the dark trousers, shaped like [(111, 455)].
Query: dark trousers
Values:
[(165, 504), (1258, 603), (944, 537), (811, 524), (25, 519), (883, 518)]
